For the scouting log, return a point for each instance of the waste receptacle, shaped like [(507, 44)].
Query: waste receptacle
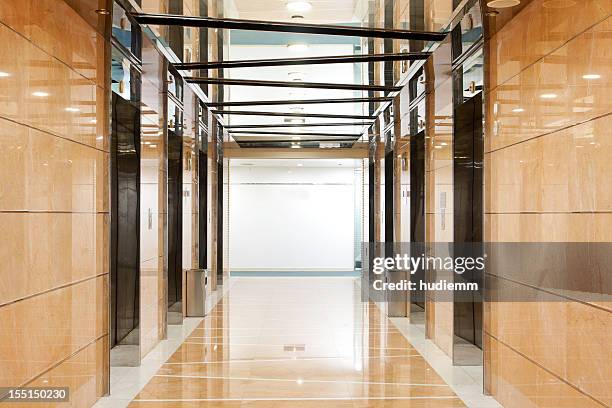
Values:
[(197, 279)]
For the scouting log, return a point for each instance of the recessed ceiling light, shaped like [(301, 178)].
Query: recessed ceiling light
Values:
[(300, 165), (297, 47), (71, 109), (591, 76), (296, 76), (4, 74), (438, 147), (548, 96), (152, 146), (518, 110), (443, 144), (40, 94), (503, 3), (147, 143), (298, 6)]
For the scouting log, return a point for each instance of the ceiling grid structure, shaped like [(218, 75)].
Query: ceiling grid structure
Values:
[(301, 70)]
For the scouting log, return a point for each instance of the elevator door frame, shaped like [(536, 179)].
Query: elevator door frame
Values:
[(465, 351)]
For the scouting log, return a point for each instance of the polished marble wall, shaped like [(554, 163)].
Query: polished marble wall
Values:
[(439, 188), (153, 200), (547, 160), (54, 208)]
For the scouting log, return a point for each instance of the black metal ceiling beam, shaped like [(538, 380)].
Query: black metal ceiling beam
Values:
[(298, 102), (246, 132), (292, 84), (284, 27), (297, 125), (336, 59), (291, 115)]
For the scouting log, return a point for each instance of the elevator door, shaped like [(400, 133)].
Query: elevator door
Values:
[(175, 230), (468, 149), (203, 206), (417, 212), (125, 224)]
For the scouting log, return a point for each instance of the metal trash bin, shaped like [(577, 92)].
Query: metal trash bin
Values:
[(197, 280)]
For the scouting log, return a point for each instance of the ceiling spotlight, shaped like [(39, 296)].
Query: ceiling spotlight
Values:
[(518, 110), (297, 6), (503, 3), (4, 74), (299, 164), (297, 47), (296, 76), (40, 94), (548, 96), (71, 109), (591, 76)]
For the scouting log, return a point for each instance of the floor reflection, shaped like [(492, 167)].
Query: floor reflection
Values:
[(296, 342)]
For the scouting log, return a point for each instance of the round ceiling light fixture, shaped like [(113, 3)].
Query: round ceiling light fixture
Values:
[(503, 3), (296, 76), (298, 6)]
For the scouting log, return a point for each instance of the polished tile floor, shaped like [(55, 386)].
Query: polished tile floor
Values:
[(299, 342)]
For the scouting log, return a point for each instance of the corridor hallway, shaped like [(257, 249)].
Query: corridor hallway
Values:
[(296, 342)]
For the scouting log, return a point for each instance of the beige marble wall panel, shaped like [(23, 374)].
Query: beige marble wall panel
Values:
[(40, 331), (541, 28), (565, 171), (54, 142), (517, 382), (47, 173), (42, 251), (43, 93), (43, 22), (552, 93), (548, 120), (82, 373), (439, 187)]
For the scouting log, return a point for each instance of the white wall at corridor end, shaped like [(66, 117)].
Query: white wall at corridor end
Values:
[(291, 218)]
